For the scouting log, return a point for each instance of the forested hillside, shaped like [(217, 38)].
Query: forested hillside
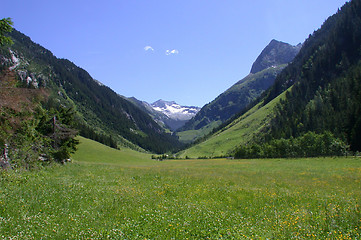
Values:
[(326, 80), (101, 113)]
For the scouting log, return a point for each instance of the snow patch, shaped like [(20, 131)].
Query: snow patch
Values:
[(99, 83), (15, 60), (174, 110), (28, 80)]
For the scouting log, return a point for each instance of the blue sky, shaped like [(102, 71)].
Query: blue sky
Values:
[(188, 51)]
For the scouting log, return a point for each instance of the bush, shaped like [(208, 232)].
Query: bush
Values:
[(38, 137)]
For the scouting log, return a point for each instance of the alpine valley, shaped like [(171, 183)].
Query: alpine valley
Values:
[(302, 95), (276, 156)]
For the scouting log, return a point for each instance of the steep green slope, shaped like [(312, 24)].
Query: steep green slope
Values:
[(267, 66), (99, 108), (241, 131)]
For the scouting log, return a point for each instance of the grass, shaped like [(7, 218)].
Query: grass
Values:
[(109, 194), (92, 152), (191, 135)]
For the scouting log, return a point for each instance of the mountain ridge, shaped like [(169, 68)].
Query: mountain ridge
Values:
[(100, 110), (274, 54), (317, 94), (174, 110), (242, 93)]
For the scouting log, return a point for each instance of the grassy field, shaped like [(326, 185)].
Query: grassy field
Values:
[(109, 194)]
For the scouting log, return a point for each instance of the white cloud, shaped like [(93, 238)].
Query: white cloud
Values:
[(169, 52), (148, 48)]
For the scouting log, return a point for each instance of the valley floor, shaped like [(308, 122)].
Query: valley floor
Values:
[(126, 195)]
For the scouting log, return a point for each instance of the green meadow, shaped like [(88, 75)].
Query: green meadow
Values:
[(110, 194)]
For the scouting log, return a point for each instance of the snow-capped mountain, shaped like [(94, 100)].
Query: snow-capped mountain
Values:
[(175, 111), (169, 115)]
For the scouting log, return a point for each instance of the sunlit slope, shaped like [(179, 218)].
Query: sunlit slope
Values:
[(90, 151), (190, 136), (240, 131)]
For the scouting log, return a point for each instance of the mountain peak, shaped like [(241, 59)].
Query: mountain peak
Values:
[(175, 111), (162, 104), (275, 53)]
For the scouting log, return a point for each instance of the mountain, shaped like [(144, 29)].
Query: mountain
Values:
[(326, 82), (168, 114), (157, 116), (275, 54), (175, 111), (101, 113), (316, 98), (267, 66)]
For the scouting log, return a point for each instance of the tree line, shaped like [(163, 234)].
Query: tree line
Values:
[(310, 144)]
